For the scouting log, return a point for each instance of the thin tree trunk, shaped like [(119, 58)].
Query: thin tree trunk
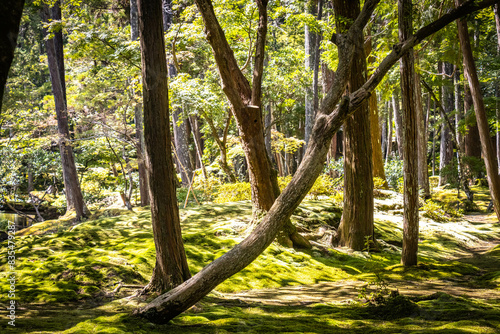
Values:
[(482, 121), (389, 140), (423, 169), (171, 267), (497, 84), (138, 117), (377, 158), (310, 49), (195, 129), (10, 16), (446, 147), (398, 124), (410, 139), (356, 226), (74, 197)]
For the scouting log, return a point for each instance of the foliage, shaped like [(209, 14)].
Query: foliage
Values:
[(433, 211), (233, 192), (394, 173)]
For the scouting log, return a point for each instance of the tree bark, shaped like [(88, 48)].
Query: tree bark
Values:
[(10, 18), (482, 121), (330, 118), (410, 139), (74, 197), (171, 267), (356, 227)]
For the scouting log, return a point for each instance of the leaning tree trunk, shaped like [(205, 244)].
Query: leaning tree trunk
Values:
[(410, 139), (356, 227), (10, 18), (74, 197), (171, 267), (482, 121), (246, 103)]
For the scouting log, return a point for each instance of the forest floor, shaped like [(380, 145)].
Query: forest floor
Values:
[(79, 278)]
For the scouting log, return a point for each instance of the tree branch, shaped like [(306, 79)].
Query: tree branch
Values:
[(260, 49)]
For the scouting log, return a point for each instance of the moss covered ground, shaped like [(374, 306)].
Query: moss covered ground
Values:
[(76, 278)]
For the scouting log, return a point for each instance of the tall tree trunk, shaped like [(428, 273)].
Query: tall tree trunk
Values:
[(389, 136), (446, 147), (423, 169), (378, 160), (169, 305), (10, 18), (410, 139), (398, 123), (356, 227), (377, 156), (171, 267), (139, 117), (74, 197), (497, 84), (310, 60), (181, 136), (482, 121)]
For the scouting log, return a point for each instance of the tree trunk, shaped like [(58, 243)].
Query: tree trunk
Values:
[(398, 124), (10, 18), (446, 146), (310, 47), (356, 227), (482, 121), (138, 117), (171, 267), (330, 118), (410, 139), (423, 169), (472, 139), (389, 137), (246, 103), (497, 84), (378, 160), (198, 144), (74, 197)]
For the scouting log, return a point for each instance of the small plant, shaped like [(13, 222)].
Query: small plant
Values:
[(433, 211), (368, 243)]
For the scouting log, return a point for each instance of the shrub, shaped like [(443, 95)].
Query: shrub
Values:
[(324, 185), (433, 211), (232, 192)]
